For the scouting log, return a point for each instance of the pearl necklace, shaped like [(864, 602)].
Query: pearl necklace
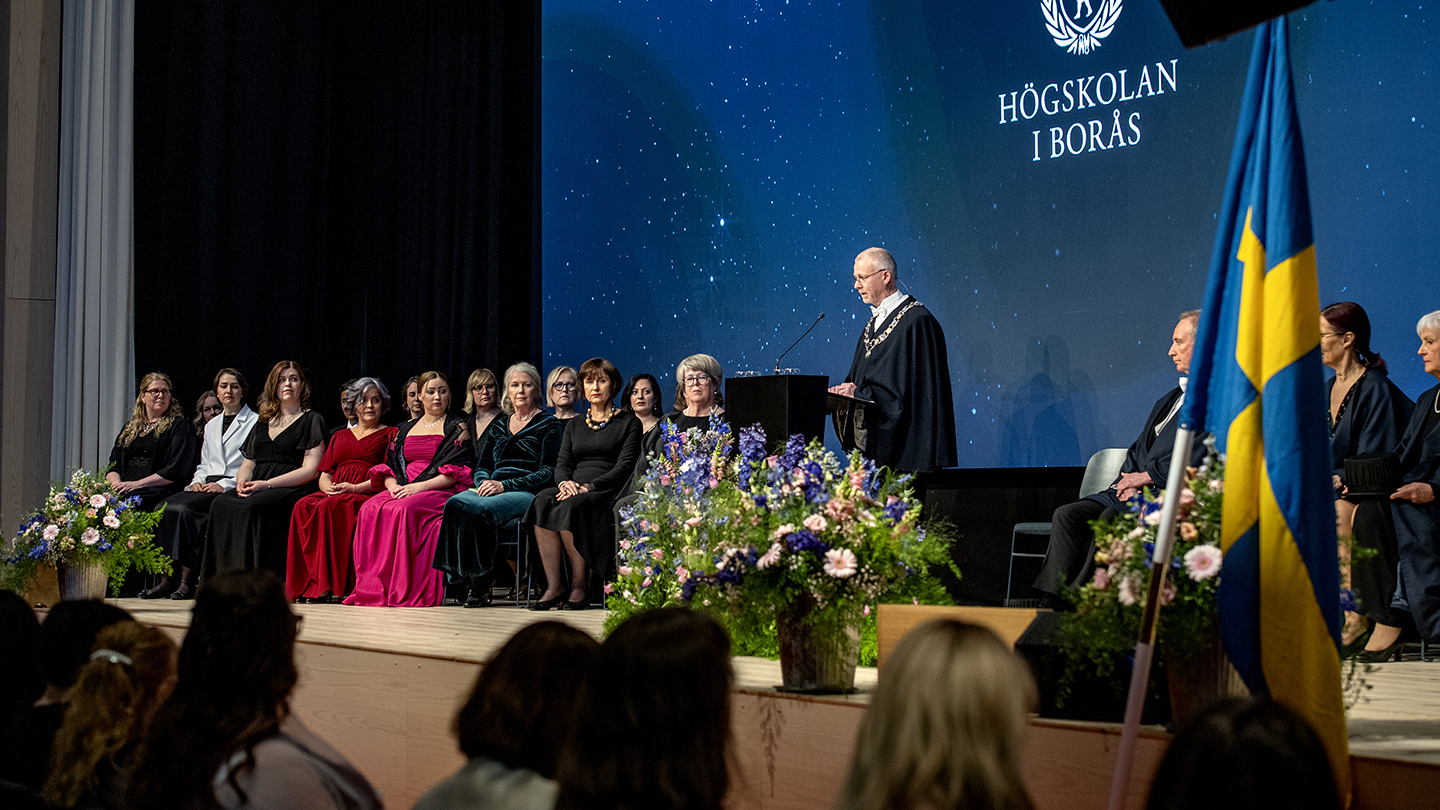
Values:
[(437, 420)]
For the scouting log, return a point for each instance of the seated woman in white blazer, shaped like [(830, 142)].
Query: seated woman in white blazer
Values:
[(181, 531)]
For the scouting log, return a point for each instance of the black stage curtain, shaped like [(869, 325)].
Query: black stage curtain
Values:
[(350, 185)]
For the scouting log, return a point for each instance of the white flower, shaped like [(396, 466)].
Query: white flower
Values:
[(97, 501), (90, 536), (1152, 518), (50, 532), (840, 563), (1203, 562), (783, 531), (1126, 594), (1135, 533), (770, 557), (111, 521)]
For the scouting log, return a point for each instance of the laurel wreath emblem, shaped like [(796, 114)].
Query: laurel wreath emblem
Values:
[(1076, 38)]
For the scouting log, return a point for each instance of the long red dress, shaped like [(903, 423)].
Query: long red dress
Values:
[(322, 527), (395, 537)]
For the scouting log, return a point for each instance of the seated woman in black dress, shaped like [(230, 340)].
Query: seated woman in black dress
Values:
[(597, 457), (1367, 414), (697, 392), (1417, 516), (249, 527), (517, 459), (560, 393), (155, 451)]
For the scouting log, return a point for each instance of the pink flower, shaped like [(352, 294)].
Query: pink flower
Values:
[(1203, 562), (624, 570), (657, 554), (712, 483), (694, 521), (111, 521), (1152, 518), (839, 509), (97, 501), (51, 532), (90, 536), (783, 531), (867, 610), (857, 479), (1167, 594), (770, 557), (914, 600), (840, 563), (816, 523), (682, 573), (609, 589), (91, 513), (1102, 578), (1127, 594), (1216, 485), (1135, 533), (1188, 530), (131, 544), (770, 460), (645, 583), (1187, 496), (625, 544), (664, 480)]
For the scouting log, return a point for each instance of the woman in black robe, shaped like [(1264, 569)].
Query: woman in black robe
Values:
[(573, 518), (697, 393), (1367, 413), (155, 452), (249, 526), (1416, 514)]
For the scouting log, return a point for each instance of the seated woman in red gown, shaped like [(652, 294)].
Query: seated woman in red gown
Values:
[(322, 526), (430, 459)]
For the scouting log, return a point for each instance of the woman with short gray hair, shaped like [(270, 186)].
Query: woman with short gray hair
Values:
[(322, 525), (517, 460)]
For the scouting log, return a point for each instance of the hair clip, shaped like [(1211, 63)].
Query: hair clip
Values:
[(111, 656)]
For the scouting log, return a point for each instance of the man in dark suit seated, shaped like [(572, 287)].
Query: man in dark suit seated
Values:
[(1070, 558)]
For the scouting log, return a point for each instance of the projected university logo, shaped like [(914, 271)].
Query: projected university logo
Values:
[(1081, 33)]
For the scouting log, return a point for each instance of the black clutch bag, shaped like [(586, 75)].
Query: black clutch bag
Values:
[(1372, 475)]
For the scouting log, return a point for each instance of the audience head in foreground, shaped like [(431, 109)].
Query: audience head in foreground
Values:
[(1245, 754), (946, 726), (508, 726), (129, 673), (225, 738), (652, 728)]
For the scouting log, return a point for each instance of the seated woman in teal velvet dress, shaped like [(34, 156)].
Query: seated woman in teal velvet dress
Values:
[(517, 460)]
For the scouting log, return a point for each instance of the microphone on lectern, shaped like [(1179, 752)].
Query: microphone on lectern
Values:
[(818, 319)]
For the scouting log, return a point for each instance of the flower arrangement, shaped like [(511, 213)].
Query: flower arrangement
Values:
[(748, 535), (84, 522)]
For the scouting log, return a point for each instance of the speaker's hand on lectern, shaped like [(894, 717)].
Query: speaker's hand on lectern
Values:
[(843, 389)]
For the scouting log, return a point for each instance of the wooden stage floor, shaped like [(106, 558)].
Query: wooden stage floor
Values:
[(383, 683)]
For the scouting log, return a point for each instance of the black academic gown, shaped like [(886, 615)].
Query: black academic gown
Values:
[(902, 367), (1070, 557), (1417, 526), (1372, 420)]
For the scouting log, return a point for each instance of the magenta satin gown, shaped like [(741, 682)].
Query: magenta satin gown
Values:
[(395, 538)]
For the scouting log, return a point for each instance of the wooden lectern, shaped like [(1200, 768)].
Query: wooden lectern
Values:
[(783, 404)]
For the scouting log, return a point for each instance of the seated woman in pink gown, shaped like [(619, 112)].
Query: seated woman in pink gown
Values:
[(430, 459), (322, 525)]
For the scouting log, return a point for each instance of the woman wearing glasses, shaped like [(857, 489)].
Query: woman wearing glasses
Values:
[(560, 392), (573, 519), (482, 405), (697, 396), (155, 451)]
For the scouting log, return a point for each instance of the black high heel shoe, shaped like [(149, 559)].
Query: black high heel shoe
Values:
[(1381, 656), (546, 604)]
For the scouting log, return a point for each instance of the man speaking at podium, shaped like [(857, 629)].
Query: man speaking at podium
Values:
[(900, 369)]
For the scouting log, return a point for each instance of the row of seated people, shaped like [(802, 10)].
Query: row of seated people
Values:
[(395, 515), (556, 720), (1388, 439)]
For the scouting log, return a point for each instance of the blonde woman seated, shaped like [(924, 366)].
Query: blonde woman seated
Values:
[(946, 726), (697, 392), (155, 450), (560, 393)]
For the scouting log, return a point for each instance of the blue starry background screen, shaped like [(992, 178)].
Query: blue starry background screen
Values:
[(710, 170)]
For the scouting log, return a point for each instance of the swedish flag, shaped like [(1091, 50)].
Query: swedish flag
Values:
[(1256, 383)]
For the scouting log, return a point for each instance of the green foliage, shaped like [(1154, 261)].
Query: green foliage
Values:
[(83, 521), (743, 536)]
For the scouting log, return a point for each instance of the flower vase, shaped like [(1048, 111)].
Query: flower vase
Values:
[(1196, 682), (815, 660), (81, 581)]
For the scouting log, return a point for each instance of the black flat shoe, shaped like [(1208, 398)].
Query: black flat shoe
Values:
[(547, 603), (581, 605), (1381, 656), (478, 598), (161, 591), (185, 591)]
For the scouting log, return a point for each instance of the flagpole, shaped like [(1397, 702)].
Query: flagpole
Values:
[(1150, 621)]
